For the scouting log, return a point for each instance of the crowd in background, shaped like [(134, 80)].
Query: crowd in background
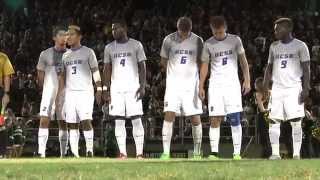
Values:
[(25, 31)]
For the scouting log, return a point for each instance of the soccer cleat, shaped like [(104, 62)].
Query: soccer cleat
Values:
[(296, 157), (122, 156), (197, 157), (213, 157), (89, 154), (274, 157), (237, 157), (40, 155), (165, 156), (140, 157)]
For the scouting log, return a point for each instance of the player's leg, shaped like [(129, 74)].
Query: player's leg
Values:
[(294, 111), (72, 122), (63, 137), (217, 113), (236, 130), (171, 106), (117, 109), (74, 135), (275, 116), (43, 135), (214, 135), (88, 136), (197, 135), (134, 111)]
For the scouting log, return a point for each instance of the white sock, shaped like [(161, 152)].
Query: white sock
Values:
[(121, 135), (74, 141), (166, 136), (197, 138), (274, 134), (43, 134), (214, 135), (63, 139), (296, 137), (236, 139), (138, 135), (88, 136)]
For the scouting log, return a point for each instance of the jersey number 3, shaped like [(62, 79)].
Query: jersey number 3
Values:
[(74, 70)]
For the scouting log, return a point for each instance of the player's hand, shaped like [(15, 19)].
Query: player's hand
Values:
[(5, 100), (202, 94), (140, 93), (303, 96), (246, 87), (106, 96), (98, 97)]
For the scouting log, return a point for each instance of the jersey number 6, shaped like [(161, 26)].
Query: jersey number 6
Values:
[(183, 60)]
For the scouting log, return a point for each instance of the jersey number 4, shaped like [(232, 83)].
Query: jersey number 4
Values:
[(123, 62)]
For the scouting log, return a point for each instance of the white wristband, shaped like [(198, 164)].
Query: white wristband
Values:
[(99, 88), (105, 88)]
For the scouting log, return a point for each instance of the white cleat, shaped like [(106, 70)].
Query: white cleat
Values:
[(274, 157), (297, 157)]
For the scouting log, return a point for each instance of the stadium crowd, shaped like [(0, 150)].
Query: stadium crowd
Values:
[(26, 30)]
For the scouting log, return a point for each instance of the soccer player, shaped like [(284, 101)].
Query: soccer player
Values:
[(223, 51), (180, 56), (288, 63), (79, 67), (49, 62), (125, 79)]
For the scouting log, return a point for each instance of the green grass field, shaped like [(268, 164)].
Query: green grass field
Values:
[(104, 168)]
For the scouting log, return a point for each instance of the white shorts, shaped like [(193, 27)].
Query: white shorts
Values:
[(47, 105), (224, 100), (125, 104), (182, 103), (284, 104), (78, 106)]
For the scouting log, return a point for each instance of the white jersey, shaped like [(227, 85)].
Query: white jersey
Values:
[(286, 60), (124, 58), (183, 56), (223, 55), (50, 62), (77, 65)]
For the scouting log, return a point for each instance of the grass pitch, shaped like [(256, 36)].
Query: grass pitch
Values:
[(104, 168)]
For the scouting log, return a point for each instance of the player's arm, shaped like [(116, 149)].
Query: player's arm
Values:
[(142, 79), (205, 59), (164, 54), (246, 87), (40, 75), (106, 74), (41, 70), (93, 62), (268, 71), (305, 64), (142, 71), (61, 86)]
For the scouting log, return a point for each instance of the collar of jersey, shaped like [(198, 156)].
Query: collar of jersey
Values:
[(287, 42), (221, 39), (74, 49)]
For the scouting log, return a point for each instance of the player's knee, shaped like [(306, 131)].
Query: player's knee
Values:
[(195, 120), (62, 125), (44, 122), (86, 125), (215, 121), (234, 119), (169, 116), (73, 125)]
